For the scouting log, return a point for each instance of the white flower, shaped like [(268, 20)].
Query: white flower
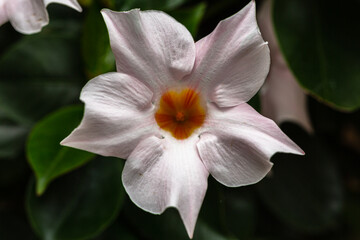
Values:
[(176, 110), (29, 16)]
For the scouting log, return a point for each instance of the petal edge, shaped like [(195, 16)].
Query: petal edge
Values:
[(232, 62), (151, 46), (70, 3), (231, 162), (118, 115), (161, 174)]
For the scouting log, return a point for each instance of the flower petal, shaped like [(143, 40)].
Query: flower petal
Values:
[(26, 16), (231, 161), (232, 62), (163, 173), (70, 3), (282, 99), (151, 46), (237, 144), (3, 14), (118, 115)]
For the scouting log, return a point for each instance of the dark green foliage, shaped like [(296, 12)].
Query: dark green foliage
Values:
[(47, 158), (79, 205), (317, 39), (316, 196)]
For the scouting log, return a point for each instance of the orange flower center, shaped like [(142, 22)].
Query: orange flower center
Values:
[(180, 113)]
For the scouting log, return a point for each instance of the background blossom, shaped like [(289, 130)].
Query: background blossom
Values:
[(282, 99), (29, 16)]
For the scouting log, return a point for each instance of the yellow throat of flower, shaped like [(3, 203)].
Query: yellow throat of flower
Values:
[(180, 112)]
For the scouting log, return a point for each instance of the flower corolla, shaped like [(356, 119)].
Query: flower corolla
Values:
[(177, 111)]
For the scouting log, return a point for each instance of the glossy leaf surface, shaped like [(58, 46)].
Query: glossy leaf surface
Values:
[(320, 48), (79, 205), (46, 156), (47, 76), (96, 50), (190, 17)]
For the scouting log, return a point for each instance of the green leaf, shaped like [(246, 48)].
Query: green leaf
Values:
[(317, 39), (79, 205), (47, 158), (86, 3), (190, 17), (41, 72), (304, 192), (96, 50)]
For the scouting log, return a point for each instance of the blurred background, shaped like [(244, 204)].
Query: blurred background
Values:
[(313, 92)]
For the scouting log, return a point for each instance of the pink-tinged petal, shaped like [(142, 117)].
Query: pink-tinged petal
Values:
[(282, 99), (232, 62), (237, 144), (231, 161), (26, 16), (70, 3), (118, 115), (151, 46), (162, 173), (3, 14)]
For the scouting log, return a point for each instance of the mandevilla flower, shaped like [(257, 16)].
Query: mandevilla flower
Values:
[(177, 109), (29, 16), (282, 99)]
